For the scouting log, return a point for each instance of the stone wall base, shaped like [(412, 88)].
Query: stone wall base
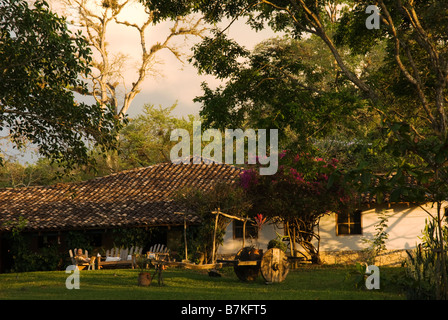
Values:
[(392, 258), (386, 258)]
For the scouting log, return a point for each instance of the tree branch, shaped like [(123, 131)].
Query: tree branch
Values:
[(416, 81)]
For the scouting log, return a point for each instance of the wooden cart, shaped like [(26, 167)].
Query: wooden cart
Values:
[(249, 263), (273, 265)]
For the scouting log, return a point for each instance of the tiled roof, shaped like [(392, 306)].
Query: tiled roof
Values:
[(138, 197)]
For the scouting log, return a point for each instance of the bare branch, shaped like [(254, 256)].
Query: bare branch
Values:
[(108, 68)]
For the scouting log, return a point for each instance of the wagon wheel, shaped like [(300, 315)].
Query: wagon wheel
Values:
[(274, 265), (248, 272)]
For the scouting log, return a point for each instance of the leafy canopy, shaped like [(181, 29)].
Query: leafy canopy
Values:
[(40, 62)]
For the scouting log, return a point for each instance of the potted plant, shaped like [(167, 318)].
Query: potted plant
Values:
[(144, 276), (277, 243)]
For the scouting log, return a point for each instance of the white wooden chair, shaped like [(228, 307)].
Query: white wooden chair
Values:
[(120, 257), (158, 252)]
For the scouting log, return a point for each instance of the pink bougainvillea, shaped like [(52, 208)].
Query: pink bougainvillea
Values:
[(303, 189), (303, 184), (247, 178)]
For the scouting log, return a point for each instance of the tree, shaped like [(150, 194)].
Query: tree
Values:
[(13, 174), (40, 60), (413, 81), (107, 74), (407, 89), (415, 56), (293, 86), (146, 139)]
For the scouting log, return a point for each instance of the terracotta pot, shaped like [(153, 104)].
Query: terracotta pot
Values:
[(144, 279)]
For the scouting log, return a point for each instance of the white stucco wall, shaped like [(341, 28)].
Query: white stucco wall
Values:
[(232, 246), (405, 225)]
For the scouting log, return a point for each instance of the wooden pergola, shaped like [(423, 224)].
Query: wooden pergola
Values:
[(219, 212)]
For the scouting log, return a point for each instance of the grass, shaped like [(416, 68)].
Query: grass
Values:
[(305, 283)]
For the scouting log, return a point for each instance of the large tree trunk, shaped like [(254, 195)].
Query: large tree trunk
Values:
[(303, 233)]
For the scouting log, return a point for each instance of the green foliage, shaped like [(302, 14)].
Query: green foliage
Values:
[(142, 262), (378, 242), (218, 56), (423, 275), (357, 275), (146, 139), (275, 243), (24, 259), (411, 84), (20, 251), (41, 62), (289, 85), (15, 174), (168, 9), (351, 30), (78, 239), (400, 69), (46, 259), (420, 275), (131, 237)]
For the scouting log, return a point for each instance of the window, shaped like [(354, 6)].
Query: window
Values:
[(348, 223), (251, 230)]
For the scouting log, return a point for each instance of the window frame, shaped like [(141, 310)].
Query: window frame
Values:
[(251, 230), (351, 221)]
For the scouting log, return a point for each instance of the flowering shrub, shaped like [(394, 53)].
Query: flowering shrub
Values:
[(302, 185), (303, 189)]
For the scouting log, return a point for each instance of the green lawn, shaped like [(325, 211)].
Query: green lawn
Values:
[(306, 283)]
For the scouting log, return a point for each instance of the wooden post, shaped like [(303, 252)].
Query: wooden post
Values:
[(291, 246), (214, 236), (244, 233), (294, 242), (185, 237), (1, 253), (185, 233)]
